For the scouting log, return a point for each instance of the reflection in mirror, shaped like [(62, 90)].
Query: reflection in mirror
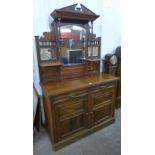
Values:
[(93, 51), (48, 54), (73, 43)]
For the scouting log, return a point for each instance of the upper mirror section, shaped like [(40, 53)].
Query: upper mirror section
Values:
[(73, 43)]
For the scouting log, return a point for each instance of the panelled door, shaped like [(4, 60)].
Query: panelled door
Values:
[(103, 104), (71, 114)]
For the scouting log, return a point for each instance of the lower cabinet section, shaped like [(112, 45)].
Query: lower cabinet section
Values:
[(78, 113)]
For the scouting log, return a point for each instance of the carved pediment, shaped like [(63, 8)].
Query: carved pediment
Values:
[(74, 12)]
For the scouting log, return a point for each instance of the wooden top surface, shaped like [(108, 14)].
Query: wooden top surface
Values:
[(54, 88)]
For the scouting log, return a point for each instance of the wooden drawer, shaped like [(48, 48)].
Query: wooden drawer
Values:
[(102, 86), (108, 85), (63, 97)]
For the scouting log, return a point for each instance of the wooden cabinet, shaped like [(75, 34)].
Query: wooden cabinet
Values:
[(75, 108), (77, 98)]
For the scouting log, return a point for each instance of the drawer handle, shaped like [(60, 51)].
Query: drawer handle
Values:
[(71, 95), (102, 87), (111, 86), (92, 113), (107, 87)]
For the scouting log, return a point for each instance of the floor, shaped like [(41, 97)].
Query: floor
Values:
[(106, 141)]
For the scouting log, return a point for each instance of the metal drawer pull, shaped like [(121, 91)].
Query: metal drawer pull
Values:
[(72, 95), (103, 87), (111, 86)]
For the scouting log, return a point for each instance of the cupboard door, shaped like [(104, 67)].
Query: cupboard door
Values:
[(71, 115), (103, 104)]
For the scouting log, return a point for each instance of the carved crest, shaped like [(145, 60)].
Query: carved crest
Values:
[(74, 12)]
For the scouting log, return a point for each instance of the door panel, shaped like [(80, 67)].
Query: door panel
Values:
[(102, 98), (68, 110), (70, 126), (102, 104), (70, 115), (102, 113)]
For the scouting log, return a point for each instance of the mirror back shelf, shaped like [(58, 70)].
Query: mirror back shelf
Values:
[(74, 49)]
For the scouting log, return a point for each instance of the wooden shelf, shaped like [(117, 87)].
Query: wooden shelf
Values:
[(52, 64)]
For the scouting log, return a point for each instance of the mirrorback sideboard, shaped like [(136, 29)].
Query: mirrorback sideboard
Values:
[(78, 99)]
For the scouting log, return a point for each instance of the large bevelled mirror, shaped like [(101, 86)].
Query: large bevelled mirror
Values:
[(73, 44)]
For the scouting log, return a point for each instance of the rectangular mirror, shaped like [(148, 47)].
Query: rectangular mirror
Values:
[(73, 43)]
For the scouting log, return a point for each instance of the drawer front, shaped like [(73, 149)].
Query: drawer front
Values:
[(102, 87), (63, 97)]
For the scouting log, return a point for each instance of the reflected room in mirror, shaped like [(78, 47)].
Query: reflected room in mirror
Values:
[(47, 54), (73, 44)]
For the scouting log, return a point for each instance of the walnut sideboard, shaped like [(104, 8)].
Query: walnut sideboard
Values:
[(77, 107)]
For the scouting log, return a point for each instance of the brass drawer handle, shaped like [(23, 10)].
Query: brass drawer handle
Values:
[(91, 112), (86, 114), (102, 87), (112, 86), (72, 95), (107, 87)]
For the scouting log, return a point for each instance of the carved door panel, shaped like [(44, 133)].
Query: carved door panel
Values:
[(103, 104), (71, 115)]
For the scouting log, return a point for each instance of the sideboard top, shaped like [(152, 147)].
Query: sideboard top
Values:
[(53, 88)]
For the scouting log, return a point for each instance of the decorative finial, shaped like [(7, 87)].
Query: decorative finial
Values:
[(78, 7)]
